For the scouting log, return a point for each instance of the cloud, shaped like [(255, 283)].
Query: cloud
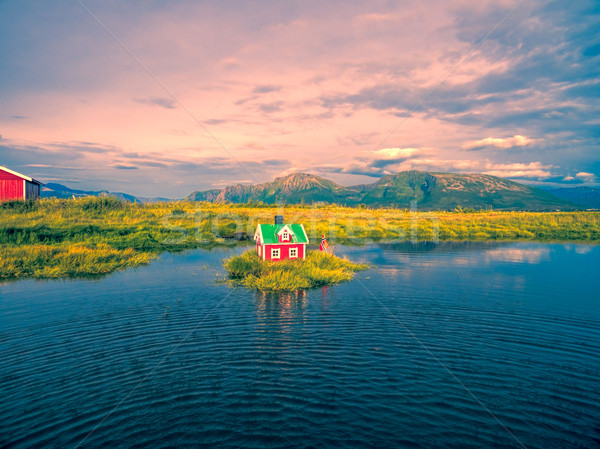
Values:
[(502, 143), (166, 103), (376, 17), (53, 154), (264, 89), (359, 139), (381, 97), (393, 160), (155, 174), (81, 147), (319, 81), (214, 121), (392, 156), (535, 170), (271, 107), (381, 162), (230, 63), (586, 177)]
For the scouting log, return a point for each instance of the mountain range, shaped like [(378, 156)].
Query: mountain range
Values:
[(54, 190), (430, 191)]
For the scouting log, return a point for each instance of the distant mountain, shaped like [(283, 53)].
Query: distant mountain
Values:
[(289, 189), (447, 191), (206, 195), (431, 191), (53, 190), (155, 199), (588, 197)]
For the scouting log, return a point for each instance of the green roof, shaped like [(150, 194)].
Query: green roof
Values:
[(269, 233)]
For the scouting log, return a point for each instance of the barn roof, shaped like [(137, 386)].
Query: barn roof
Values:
[(268, 233), (26, 178)]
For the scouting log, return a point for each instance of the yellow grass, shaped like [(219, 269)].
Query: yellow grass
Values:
[(100, 235), (288, 275)]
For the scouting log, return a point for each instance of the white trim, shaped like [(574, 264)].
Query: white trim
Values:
[(12, 172), (295, 256), (304, 251), (289, 230), (25, 190), (264, 252), (273, 253), (258, 232)]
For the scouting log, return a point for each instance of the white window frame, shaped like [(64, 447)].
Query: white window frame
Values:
[(285, 237), (295, 253), (275, 251)]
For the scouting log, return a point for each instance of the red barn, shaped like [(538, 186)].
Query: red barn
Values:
[(15, 186), (280, 241)]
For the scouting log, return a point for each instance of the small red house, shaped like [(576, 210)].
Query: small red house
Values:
[(280, 241), (15, 186)]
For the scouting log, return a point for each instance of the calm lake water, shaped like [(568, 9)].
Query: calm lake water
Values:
[(452, 345)]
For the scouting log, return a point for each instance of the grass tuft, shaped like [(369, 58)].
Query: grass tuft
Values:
[(288, 275), (44, 261)]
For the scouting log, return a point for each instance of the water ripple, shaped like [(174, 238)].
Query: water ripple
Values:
[(125, 362)]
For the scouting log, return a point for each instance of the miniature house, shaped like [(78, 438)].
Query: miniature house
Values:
[(280, 241)]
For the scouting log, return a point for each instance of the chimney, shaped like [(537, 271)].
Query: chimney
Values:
[(278, 219)]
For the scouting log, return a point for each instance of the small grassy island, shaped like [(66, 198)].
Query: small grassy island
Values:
[(288, 275)]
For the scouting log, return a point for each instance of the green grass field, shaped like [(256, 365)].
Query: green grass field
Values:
[(94, 236)]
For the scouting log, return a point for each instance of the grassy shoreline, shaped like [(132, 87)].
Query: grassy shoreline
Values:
[(54, 238), (317, 270)]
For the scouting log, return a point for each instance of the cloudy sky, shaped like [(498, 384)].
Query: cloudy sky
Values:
[(166, 97)]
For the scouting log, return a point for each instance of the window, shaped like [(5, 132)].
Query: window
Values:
[(285, 236), (275, 253), (293, 253)]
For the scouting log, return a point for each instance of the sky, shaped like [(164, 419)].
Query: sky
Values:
[(162, 98)]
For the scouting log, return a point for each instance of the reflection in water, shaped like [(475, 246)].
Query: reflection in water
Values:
[(407, 256), (583, 249), (277, 312), (441, 247), (286, 301), (519, 255)]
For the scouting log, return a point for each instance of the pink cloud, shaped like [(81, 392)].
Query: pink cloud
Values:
[(585, 176), (501, 143), (530, 170)]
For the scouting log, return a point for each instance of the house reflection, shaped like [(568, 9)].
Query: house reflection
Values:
[(280, 307), (280, 319)]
